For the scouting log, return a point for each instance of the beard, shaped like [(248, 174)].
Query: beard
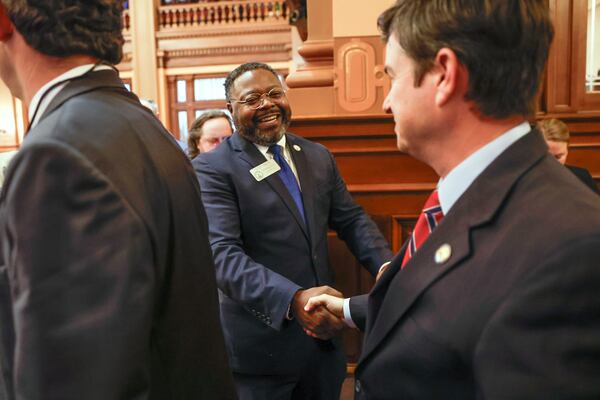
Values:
[(251, 132)]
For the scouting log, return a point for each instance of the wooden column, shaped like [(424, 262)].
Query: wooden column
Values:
[(311, 84), (342, 72), (143, 44)]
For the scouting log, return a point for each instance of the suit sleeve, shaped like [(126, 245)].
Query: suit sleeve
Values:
[(358, 310), (81, 276), (263, 292), (355, 227), (544, 342)]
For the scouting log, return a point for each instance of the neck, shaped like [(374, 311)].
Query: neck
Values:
[(465, 137), (43, 69), (33, 69)]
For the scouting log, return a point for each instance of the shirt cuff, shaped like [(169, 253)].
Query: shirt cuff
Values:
[(347, 316), (383, 266)]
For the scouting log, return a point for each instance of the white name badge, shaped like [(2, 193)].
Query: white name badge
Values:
[(265, 170)]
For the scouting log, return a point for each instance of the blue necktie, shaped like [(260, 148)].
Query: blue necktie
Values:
[(289, 179)]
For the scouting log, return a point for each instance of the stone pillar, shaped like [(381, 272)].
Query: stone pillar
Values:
[(144, 25), (311, 84), (342, 73)]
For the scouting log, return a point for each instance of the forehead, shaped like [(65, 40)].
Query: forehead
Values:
[(258, 80), (216, 126), (556, 147), (395, 56)]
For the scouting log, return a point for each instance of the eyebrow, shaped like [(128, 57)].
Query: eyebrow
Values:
[(253, 91)]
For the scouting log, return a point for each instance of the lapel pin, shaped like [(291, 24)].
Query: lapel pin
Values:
[(296, 147), (443, 253)]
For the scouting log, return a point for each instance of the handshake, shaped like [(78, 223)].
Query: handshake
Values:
[(320, 311)]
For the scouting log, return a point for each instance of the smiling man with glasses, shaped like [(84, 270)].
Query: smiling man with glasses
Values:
[(271, 197)]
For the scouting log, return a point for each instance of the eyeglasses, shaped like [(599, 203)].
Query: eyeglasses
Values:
[(256, 100)]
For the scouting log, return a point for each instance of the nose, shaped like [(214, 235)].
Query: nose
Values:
[(387, 107), (264, 98)]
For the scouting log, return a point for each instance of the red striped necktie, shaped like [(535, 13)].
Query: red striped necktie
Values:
[(430, 217)]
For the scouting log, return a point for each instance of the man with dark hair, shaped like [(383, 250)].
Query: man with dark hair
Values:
[(208, 131), (270, 197), (495, 295), (103, 293)]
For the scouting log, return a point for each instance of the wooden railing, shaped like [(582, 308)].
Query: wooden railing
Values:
[(225, 12)]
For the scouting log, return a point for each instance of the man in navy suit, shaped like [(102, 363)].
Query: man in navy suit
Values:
[(495, 296), (271, 197)]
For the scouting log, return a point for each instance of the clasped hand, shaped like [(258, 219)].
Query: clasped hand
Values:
[(313, 314)]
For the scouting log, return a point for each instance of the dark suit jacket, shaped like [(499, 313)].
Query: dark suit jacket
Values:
[(264, 252), (107, 289), (584, 176), (514, 313)]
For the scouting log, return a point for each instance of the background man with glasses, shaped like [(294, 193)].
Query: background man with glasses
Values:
[(270, 197)]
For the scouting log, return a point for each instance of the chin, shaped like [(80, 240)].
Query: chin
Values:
[(402, 145)]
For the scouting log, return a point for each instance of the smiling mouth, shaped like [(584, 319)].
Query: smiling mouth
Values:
[(268, 118)]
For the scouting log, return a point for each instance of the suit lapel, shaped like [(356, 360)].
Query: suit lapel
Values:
[(305, 177), (253, 157), (398, 289)]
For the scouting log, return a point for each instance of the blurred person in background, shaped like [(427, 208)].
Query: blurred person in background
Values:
[(556, 133), (208, 131)]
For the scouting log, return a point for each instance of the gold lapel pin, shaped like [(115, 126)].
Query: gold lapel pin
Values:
[(443, 253), (296, 147)]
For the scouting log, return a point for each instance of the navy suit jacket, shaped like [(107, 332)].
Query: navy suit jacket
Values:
[(513, 313), (584, 176), (264, 252)]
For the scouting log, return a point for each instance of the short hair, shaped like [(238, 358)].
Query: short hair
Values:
[(503, 44), (250, 66), (195, 132), (62, 28), (554, 130)]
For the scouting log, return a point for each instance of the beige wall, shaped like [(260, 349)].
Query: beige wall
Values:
[(357, 17)]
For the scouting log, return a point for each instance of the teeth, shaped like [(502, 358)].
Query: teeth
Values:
[(268, 118)]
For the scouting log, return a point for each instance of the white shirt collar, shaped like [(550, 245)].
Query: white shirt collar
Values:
[(265, 149), (462, 176), (70, 74)]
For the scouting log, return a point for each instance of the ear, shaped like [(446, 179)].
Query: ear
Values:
[(450, 75), (229, 108), (6, 26)]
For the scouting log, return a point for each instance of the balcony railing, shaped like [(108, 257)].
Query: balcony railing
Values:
[(225, 12)]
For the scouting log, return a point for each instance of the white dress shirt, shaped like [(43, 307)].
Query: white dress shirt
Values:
[(286, 155)]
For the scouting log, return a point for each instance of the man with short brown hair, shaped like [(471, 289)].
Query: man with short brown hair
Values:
[(495, 295)]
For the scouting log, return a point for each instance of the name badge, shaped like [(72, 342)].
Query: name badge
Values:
[(265, 170)]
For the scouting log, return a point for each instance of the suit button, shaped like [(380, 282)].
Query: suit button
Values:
[(357, 386), (315, 258)]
